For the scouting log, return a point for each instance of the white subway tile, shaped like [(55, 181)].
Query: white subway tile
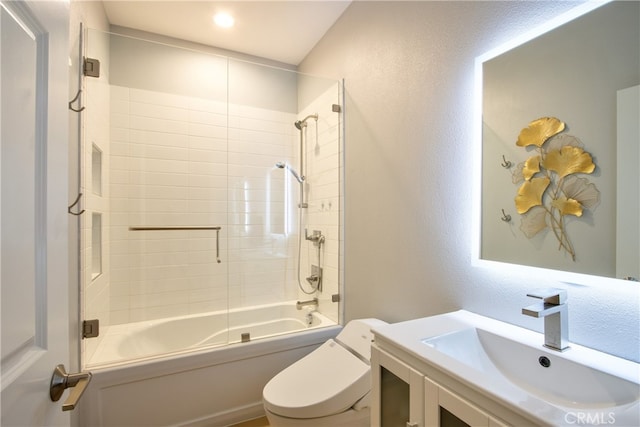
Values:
[(158, 138), (158, 125), (118, 93), (207, 118), (157, 98), (208, 143), (208, 131), (206, 105), (202, 168), (158, 111)]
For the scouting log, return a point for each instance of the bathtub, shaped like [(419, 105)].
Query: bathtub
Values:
[(157, 338), (196, 379)]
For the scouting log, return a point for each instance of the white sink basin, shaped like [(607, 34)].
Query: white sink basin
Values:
[(497, 365), (549, 375)]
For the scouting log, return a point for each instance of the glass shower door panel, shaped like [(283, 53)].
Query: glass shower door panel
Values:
[(262, 105), (95, 222), (165, 200), (324, 154), (275, 165)]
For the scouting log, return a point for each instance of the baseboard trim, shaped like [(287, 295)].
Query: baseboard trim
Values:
[(229, 417)]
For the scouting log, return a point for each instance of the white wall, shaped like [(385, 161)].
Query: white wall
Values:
[(409, 83), (628, 206)]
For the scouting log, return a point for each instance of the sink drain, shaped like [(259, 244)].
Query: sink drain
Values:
[(544, 361)]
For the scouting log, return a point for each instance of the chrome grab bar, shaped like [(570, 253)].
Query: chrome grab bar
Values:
[(183, 228), (61, 380)]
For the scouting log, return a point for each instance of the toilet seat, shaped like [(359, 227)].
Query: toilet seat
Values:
[(327, 381)]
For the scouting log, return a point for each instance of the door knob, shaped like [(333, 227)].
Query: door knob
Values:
[(61, 380)]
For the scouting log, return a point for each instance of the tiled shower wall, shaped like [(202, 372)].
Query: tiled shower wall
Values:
[(174, 162)]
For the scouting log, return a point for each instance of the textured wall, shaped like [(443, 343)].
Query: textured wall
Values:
[(409, 79)]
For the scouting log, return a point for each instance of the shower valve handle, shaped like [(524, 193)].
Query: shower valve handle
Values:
[(317, 238)]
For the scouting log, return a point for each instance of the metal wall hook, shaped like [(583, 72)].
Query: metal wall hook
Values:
[(505, 217), (75, 203), (76, 98), (506, 163)]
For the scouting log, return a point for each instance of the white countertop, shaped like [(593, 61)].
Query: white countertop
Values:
[(406, 338)]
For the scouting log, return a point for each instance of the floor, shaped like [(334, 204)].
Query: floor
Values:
[(258, 422)]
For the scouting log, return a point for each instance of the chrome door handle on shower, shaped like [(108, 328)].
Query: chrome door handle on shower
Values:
[(61, 380)]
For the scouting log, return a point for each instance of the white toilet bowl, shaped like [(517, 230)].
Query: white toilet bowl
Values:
[(328, 387)]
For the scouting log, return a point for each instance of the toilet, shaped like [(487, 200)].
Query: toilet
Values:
[(328, 387)]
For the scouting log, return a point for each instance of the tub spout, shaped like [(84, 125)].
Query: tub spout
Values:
[(301, 304)]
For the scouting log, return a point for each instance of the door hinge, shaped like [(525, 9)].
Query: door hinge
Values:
[(90, 328), (91, 67)]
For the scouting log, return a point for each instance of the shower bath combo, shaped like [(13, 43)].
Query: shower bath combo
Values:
[(315, 278), (168, 154)]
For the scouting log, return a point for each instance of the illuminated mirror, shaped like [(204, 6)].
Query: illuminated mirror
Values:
[(560, 186)]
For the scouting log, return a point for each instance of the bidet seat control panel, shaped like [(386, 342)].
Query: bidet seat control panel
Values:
[(357, 335)]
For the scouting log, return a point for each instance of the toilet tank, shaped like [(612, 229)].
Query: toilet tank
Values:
[(357, 336)]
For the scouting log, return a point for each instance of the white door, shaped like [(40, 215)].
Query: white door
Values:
[(33, 208), (628, 184)]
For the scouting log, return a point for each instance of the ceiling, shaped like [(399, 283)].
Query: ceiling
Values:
[(283, 31)]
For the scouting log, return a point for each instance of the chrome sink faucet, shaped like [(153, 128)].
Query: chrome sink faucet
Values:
[(554, 309)]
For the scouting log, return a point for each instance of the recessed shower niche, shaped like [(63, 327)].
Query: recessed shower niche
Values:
[(96, 245), (96, 170)]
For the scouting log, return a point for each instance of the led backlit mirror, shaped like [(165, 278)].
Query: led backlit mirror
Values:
[(560, 182)]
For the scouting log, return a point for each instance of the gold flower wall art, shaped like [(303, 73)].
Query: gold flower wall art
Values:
[(550, 188)]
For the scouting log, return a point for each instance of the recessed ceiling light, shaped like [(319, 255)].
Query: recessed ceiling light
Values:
[(223, 20)]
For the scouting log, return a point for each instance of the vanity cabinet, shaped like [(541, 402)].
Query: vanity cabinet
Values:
[(463, 369), (404, 397), (445, 408), (397, 392)]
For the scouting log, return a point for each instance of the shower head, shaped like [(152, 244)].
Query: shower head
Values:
[(303, 123), (282, 165)]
